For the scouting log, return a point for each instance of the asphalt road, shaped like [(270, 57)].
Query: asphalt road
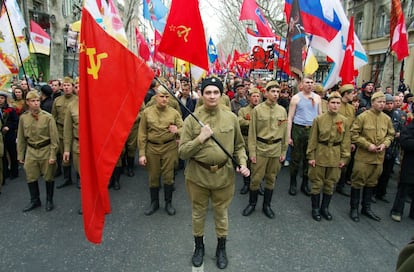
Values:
[(293, 241)]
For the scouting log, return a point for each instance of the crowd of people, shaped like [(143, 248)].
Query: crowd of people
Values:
[(345, 140)]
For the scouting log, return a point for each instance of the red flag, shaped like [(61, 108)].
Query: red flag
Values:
[(183, 35), (108, 107), (251, 11), (143, 49), (398, 31), (165, 59), (347, 69)]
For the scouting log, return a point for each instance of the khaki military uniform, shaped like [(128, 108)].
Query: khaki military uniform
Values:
[(324, 105), (244, 116), (370, 128), (37, 143), (329, 144), (71, 132), (267, 142), (209, 172), (158, 144), (59, 109)]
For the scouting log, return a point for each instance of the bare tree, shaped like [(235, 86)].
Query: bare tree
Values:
[(57, 26)]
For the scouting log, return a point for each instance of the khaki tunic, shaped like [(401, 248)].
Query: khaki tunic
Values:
[(158, 144), (34, 132), (268, 122), (348, 111), (71, 132), (244, 116), (59, 109), (368, 128), (329, 144), (203, 184)]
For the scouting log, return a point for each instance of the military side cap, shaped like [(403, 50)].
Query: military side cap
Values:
[(67, 80), (46, 90), (212, 81), (346, 88), (334, 95), (272, 84), (377, 95), (32, 94), (389, 98), (162, 90), (254, 90), (318, 89)]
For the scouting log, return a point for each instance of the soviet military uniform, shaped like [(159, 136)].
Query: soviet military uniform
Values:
[(329, 145), (368, 128), (59, 109), (37, 143), (209, 172), (71, 133), (159, 146), (244, 116), (267, 142)]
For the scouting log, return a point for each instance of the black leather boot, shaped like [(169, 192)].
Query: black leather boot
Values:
[(221, 253), (155, 202), (354, 202), (316, 213), (198, 255), (367, 194), (34, 197), (50, 187), (67, 177), (246, 185), (304, 188), (292, 187), (252, 203), (130, 166), (326, 199), (117, 175), (267, 199), (168, 191)]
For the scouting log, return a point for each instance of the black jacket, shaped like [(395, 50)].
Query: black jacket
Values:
[(407, 144)]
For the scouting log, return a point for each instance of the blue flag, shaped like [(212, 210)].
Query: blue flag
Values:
[(155, 11), (212, 51)]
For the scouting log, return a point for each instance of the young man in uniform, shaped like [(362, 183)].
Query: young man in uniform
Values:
[(372, 132), (328, 150), (37, 144), (158, 132), (209, 173), (267, 147)]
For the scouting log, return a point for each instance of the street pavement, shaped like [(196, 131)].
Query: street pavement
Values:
[(293, 241)]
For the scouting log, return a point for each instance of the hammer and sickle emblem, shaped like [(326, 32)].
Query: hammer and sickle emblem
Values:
[(183, 30), (94, 62)]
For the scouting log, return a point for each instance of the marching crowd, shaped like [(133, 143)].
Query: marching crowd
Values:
[(346, 140)]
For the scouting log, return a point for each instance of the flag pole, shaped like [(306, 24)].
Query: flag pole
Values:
[(200, 123), (15, 43), (74, 54)]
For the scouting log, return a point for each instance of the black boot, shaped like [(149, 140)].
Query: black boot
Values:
[(267, 199), (316, 213), (168, 191), (155, 202), (292, 187), (305, 186), (130, 166), (50, 187), (367, 194), (117, 175), (221, 253), (326, 199), (355, 196), (34, 197), (246, 185), (78, 184), (198, 255), (252, 203), (67, 177)]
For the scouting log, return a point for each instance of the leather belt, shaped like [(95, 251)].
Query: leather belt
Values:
[(76, 138), (268, 141), (211, 168), (302, 126), (39, 145), (166, 142), (327, 143)]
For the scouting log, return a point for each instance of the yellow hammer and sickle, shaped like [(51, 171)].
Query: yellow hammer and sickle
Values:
[(183, 30), (95, 65)]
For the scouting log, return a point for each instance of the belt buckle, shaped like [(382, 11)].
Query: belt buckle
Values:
[(269, 141), (213, 168)]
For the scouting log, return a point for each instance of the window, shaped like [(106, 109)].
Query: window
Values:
[(383, 22), (377, 66), (359, 24)]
